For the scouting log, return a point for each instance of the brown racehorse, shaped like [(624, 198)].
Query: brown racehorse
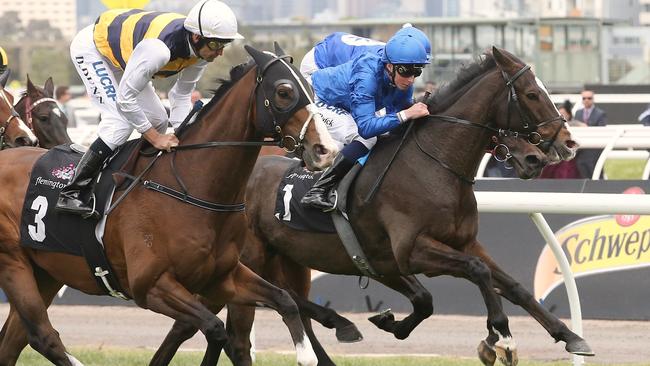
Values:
[(165, 251), (423, 219), (13, 130), (38, 108)]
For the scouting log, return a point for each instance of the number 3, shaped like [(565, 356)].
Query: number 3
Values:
[(37, 232)]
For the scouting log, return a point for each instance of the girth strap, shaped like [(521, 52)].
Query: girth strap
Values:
[(194, 201)]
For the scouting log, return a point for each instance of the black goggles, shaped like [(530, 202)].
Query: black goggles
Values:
[(217, 44), (409, 70)]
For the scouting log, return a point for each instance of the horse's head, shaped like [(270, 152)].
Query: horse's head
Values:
[(39, 108), (285, 106), (527, 159), (13, 131), (530, 108)]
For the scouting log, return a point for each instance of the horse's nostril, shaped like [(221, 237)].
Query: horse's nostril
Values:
[(571, 144), (533, 160), (320, 149), (23, 141)]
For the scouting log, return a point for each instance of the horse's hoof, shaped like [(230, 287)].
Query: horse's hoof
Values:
[(506, 351), (384, 320), (486, 354), (348, 334), (579, 347)]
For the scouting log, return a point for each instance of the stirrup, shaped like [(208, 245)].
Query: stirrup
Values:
[(336, 201), (94, 212)]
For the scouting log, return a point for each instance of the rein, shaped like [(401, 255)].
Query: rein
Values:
[(512, 98), (12, 114), (184, 195)]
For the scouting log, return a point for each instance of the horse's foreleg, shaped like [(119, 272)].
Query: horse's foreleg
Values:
[(250, 289), (18, 282), (419, 297), (434, 258), (13, 337), (517, 294), (239, 326), (170, 298)]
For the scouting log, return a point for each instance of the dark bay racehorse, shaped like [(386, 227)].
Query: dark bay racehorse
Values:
[(13, 130), (38, 108), (165, 251), (423, 219)]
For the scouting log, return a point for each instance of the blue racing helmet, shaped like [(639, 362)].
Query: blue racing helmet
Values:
[(409, 29), (404, 49)]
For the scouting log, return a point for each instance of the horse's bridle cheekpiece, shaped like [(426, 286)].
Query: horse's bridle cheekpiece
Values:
[(5, 124)]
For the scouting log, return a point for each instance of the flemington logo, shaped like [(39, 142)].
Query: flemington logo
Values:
[(596, 245), (64, 172)]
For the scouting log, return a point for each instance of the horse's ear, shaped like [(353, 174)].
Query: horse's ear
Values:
[(280, 52), (501, 58), (4, 77), (49, 87), (30, 86), (259, 57)]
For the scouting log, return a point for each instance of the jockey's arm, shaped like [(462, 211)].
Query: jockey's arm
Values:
[(363, 108), (148, 57), (180, 94)]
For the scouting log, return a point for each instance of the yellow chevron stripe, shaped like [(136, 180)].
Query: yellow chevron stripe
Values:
[(126, 36), (100, 34), (3, 57), (159, 23)]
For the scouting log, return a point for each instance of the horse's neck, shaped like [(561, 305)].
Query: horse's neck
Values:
[(458, 145), (224, 171)]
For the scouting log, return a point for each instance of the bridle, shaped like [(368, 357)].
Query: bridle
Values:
[(5, 124), (273, 125), (513, 99), (532, 137), (266, 125), (29, 107)]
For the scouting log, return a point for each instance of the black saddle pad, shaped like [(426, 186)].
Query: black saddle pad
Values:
[(296, 182), (44, 228)]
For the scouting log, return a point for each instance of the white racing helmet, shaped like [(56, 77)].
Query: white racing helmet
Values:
[(212, 19)]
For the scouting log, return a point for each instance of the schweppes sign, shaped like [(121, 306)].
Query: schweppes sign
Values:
[(596, 245)]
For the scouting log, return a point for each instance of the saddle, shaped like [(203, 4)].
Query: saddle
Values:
[(296, 182), (44, 228)]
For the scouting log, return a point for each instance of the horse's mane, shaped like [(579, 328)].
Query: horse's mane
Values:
[(236, 73), (466, 78)]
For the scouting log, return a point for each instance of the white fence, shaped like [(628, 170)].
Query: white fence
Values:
[(535, 204)]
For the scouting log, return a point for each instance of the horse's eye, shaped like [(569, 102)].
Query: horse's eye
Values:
[(42, 118), (532, 96), (283, 93)]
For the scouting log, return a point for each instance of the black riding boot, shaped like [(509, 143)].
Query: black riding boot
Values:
[(76, 196), (322, 194)]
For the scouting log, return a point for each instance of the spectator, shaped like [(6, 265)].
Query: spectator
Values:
[(590, 114), (593, 116), (62, 96), (196, 96), (565, 169)]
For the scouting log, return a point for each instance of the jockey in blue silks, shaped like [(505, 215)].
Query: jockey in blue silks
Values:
[(353, 93), (340, 47)]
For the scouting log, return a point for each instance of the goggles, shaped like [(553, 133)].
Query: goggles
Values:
[(409, 70), (217, 44)]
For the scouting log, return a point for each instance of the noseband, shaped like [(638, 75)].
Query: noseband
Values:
[(29, 107), (513, 99), (5, 124)]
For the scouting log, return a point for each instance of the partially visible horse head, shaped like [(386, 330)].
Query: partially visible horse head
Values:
[(286, 106), (527, 159), (13, 131), (530, 97), (43, 114)]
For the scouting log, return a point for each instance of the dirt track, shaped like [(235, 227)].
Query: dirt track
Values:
[(613, 341)]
